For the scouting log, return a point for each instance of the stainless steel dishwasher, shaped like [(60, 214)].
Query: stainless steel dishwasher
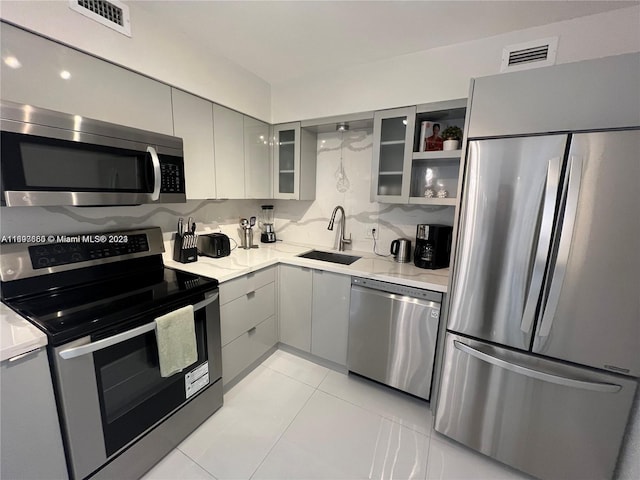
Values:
[(392, 334)]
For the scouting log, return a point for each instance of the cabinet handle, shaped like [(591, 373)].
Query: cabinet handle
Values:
[(25, 354), (252, 330), (251, 294)]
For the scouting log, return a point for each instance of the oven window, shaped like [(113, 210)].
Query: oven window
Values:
[(133, 396)]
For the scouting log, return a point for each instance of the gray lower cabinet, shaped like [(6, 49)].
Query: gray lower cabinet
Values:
[(247, 320), (29, 417), (295, 306), (90, 87), (330, 315), (314, 311)]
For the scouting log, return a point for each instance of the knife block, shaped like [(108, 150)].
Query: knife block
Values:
[(185, 248)]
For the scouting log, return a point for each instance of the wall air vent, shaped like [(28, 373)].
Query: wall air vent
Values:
[(113, 13), (523, 56)]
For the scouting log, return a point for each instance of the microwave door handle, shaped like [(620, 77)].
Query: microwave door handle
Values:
[(544, 240), (74, 352), (157, 173), (566, 237)]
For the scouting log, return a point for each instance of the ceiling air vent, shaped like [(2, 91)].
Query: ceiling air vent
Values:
[(112, 13), (523, 56)]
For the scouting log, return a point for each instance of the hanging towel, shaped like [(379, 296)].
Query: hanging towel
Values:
[(176, 338)]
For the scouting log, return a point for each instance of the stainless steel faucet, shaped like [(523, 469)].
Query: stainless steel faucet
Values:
[(343, 241)]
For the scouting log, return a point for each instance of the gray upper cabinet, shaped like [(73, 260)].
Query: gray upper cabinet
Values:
[(294, 162), (392, 148), (257, 159), (534, 101), (193, 121), (403, 172), (228, 128), (93, 88)]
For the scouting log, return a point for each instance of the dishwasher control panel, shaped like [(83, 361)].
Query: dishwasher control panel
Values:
[(398, 289)]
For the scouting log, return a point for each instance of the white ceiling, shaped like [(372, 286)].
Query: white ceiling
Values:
[(283, 40)]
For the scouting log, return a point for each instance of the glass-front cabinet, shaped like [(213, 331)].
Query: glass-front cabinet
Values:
[(411, 160), (286, 156), (392, 140), (294, 162)]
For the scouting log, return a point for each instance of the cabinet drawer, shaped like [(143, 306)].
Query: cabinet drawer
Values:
[(247, 311), (247, 348), (246, 284)]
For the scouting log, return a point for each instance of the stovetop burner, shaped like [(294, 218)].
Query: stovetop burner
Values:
[(96, 294)]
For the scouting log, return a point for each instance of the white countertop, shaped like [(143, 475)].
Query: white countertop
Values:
[(241, 262), (17, 336)]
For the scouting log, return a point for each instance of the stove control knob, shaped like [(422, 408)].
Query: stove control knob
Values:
[(10, 271)]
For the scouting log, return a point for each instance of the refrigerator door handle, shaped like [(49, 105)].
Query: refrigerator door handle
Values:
[(532, 373), (564, 247), (544, 241)]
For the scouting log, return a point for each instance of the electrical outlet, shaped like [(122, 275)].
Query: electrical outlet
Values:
[(372, 231)]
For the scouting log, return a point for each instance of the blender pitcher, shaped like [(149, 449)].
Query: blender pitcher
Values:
[(266, 224)]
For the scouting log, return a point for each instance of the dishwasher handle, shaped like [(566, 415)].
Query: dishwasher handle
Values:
[(396, 297)]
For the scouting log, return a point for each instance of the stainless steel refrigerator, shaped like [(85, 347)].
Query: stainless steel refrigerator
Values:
[(542, 350)]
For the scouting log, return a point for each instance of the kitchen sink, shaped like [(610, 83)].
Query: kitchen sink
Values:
[(330, 257)]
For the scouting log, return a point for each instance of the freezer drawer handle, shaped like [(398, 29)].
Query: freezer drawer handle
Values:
[(529, 372), (124, 336)]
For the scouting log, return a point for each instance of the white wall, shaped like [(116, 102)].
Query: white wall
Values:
[(155, 49), (444, 73)]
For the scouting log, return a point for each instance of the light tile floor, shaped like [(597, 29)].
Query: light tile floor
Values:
[(293, 419)]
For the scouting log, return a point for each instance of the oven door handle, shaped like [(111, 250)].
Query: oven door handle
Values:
[(124, 336)]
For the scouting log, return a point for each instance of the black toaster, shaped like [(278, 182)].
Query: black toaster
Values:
[(214, 245)]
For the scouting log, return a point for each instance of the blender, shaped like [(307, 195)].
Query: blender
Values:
[(268, 234)]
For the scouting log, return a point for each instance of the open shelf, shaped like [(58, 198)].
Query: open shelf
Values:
[(449, 201), (438, 155)]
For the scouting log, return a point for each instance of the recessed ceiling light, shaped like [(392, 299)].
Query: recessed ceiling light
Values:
[(12, 62), (65, 74)]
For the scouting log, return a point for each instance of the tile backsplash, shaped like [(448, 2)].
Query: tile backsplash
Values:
[(296, 221)]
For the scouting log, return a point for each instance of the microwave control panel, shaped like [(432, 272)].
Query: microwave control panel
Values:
[(172, 178)]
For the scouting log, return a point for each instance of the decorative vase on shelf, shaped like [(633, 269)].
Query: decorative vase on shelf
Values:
[(451, 144)]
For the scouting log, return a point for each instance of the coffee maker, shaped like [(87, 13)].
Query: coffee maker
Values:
[(268, 234), (433, 246)]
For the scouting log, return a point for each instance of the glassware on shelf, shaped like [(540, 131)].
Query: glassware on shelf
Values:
[(430, 182), (442, 192)]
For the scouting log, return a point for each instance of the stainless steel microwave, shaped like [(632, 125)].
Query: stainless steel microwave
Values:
[(53, 158)]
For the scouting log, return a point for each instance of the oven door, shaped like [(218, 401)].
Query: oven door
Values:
[(109, 387), (84, 169)]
